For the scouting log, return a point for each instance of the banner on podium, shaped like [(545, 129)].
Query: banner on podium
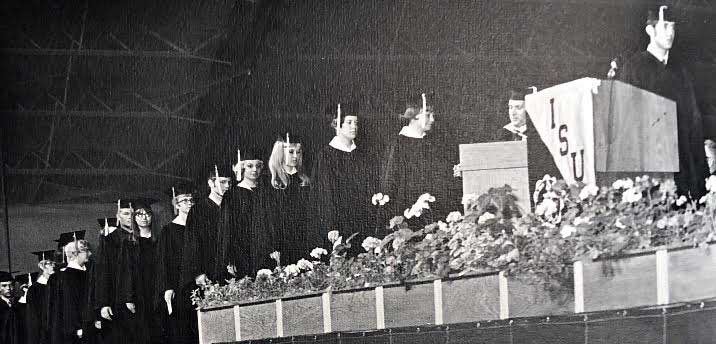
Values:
[(563, 116)]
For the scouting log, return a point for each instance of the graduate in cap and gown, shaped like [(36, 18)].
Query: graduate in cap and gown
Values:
[(341, 182), (36, 299), (411, 165), (168, 256), (9, 320), (198, 260), (114, 295), (241, 251), (659, 71), (281, 212), (137, 268), (70, 316)]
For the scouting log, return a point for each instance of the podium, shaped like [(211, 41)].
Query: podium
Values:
[(597, 131), (494, 164)]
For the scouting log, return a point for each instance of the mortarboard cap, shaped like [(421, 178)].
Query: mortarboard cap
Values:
[(23, 278), (223, 169), (663, 13), (66, 238), (181, 188), (143, 203), (6, 277), (45, 255), (517, 94)]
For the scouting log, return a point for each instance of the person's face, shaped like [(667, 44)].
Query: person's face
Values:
[(83, 256), (48, 267), (252, 169), (292, 156), (219, 185), (6, 289), (349, 127), (663, 34), (518, 114), (143, 217), (124, 216), (426, 119), (183, 203)]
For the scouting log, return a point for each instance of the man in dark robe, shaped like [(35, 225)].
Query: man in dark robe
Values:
[(198, 262), (36, 316), (658, 71), (70, 316), (340, 189), (238, 246), (413, 165), (169, 254), (9, 319), (109, 303)]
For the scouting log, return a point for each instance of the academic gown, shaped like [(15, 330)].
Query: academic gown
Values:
[(672, 81), (168, 255), (197, 257), (340, 196), (411, 167), (280, 216), (9, 324), (36, 317), (238, 244), (68, 308), (110, 286)]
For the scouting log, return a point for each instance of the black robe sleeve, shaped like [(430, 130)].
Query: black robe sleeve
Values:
[(9, 324)]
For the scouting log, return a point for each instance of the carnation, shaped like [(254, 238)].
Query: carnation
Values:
[(318, 252), (292, 270), (588, 190), (263, 273), (485, 217), (333, 236), (304, 264), (454, 216), (370, 243)]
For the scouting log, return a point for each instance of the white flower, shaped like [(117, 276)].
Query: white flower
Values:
[(384, 200), (619, 224), (567, 231), (443, 226), (580, 220), (426, 197), (546, 208), (625, 183), (377, 250), (485, 217), (337, 242), (318, 252), (429, 237), (264, 273), (333, 236), (292, 270), (703, 199), (398, 242), (681, 201), (276, 255), (304, 264), (631, 195), (454, 216), (588, 190), (375, 198), (370, 243), (711, 184)]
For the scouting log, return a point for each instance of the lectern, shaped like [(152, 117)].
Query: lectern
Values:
[(595, 130)]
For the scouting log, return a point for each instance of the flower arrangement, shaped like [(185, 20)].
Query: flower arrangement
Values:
[(570, 222)]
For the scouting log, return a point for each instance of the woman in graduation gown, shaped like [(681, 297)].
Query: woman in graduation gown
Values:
[(240, 250), (137, 269), (280, 213), (70, 316), (168, 256), (410, 168), (341, 182)]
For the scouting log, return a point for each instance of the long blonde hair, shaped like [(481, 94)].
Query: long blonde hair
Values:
[(279, 177)]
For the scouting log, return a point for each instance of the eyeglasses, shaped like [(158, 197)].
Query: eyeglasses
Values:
[(185, 201), (143, 214)]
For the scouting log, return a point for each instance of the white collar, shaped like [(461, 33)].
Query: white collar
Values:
[(409, 131), (242, 185), (6, 301), (42, 279), (336, 143), (663, 59), (517, 130), (76, 266), (290, 170)]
